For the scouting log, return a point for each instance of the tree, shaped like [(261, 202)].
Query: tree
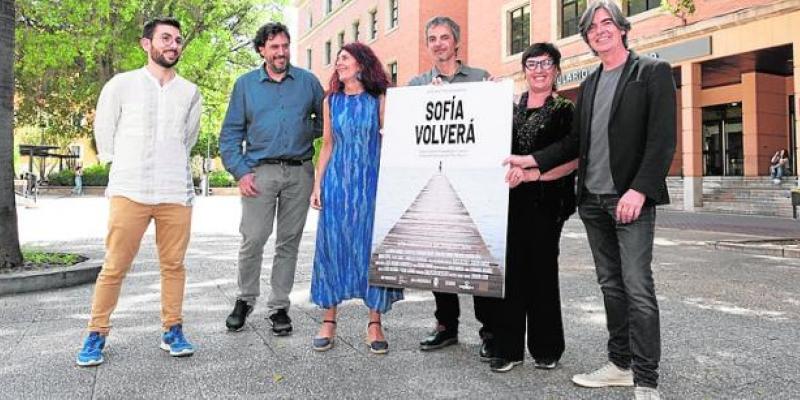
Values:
[(10, 254), (68, 49), (681, 8)]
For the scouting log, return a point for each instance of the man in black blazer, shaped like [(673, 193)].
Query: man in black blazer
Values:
[(624, 137)]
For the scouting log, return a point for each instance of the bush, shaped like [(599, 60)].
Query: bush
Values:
[(96, 175), (220, 179), (62, 178)]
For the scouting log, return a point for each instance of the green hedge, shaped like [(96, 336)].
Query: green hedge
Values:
[(63, 178), (96, 175), (221, 179)]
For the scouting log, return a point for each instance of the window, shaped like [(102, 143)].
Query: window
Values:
[(639, 6), (394, 13), (571, 11), (328, 52), (356, 26), (393, 72), (328, 6), (308, 58), (373, 24), (310, 20), (340, 39), (75, 150), (520, 29)]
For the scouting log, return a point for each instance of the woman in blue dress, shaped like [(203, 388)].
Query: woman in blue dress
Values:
[(344, 192)]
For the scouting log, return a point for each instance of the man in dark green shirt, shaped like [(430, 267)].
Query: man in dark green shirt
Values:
[(442, 40)]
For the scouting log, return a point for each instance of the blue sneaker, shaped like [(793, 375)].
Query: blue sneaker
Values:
[(92, 352), (175, 343)]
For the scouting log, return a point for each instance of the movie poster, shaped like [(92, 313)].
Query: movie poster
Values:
[(442, 203)]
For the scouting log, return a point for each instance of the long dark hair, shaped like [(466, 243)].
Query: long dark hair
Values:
[(373, 77)]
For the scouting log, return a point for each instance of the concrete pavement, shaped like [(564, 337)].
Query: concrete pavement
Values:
[(729, 325)]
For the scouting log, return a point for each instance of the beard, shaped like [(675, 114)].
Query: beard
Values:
[(159, 58), (272, 64)]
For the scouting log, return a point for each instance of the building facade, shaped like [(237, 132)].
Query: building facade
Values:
[(393, 28), (734, 64)]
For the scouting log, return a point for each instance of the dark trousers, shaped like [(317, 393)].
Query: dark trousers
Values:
[(622, 256), (532, 295), (448, 310)]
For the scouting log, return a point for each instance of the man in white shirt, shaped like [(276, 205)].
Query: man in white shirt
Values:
[(146, 124)]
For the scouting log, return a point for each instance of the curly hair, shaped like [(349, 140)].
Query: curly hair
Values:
[(373, 77), (267, 32)]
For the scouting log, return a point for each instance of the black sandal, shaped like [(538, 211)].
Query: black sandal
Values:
[(377, 346), (323, 343)]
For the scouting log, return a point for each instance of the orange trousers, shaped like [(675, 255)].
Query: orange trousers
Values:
[(127, 222)]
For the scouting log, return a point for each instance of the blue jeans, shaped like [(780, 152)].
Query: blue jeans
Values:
[(777, 171), (78, 189), (622, 256)]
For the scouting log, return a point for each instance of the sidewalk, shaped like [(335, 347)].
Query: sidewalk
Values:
[(729, 326)]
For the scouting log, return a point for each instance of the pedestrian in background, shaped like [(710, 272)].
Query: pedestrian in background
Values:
[(778, 164), (78, 189)]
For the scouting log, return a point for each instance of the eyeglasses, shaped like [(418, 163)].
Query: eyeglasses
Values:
[(543, 64), (167, 39)]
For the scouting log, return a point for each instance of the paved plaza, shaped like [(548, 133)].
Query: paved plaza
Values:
[(730, 323)]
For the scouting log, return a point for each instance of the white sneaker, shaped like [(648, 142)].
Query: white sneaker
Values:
[(607, 375), (645, 393)]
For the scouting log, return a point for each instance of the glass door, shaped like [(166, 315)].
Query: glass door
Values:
[(723, 147)]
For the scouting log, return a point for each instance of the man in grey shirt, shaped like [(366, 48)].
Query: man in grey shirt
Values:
[(598, 172), (442, 40)]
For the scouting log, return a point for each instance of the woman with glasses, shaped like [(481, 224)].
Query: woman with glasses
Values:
[(538, 206)]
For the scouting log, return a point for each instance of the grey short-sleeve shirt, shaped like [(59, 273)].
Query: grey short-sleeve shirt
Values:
[(463, 74)]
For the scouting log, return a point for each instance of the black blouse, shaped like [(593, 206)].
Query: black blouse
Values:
[(536, 128)]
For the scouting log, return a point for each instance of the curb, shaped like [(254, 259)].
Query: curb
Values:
[(778, 247), (77, 274)]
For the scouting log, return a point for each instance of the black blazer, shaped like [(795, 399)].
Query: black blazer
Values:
[(641, 129)]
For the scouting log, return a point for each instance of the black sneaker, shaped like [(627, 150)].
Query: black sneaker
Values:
[(487, 350), (235, 321), (439, 339), (281, 323), (545, 364), (502, 365)]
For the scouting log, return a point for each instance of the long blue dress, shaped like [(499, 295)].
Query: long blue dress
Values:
[(349, 185)]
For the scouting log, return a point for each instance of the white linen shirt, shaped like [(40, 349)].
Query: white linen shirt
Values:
[(147, 132)]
